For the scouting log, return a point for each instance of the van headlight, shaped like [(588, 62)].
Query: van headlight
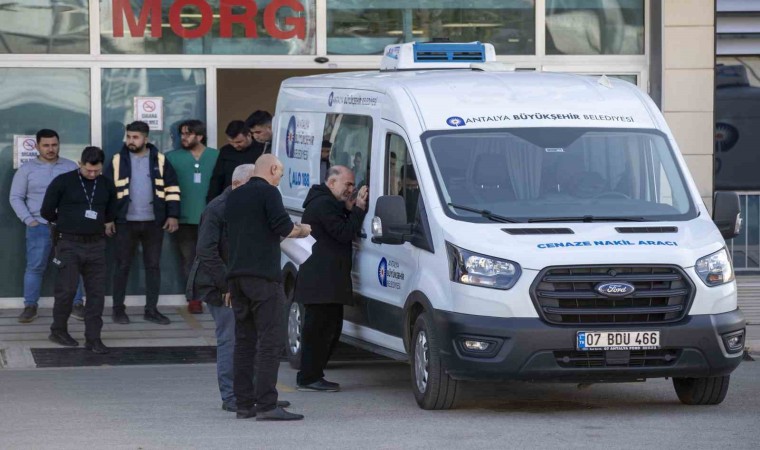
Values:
[(715, 269), (480, 270)]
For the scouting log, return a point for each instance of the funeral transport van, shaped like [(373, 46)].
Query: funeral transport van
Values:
[(521, 225)]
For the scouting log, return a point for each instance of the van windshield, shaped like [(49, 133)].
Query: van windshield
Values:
[(558, 175)]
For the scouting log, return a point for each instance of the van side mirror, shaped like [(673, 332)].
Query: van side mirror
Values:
[(727, 214), (389, 224)]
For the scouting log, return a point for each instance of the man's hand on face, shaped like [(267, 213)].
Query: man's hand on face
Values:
[(171, 225), (362, 197)]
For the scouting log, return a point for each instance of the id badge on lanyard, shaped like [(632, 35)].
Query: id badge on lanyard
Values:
[(197, 174)]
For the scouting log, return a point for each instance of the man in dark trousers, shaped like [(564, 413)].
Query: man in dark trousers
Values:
[(82, 205), (256, 223), (324, 280), (240, 149), (147, 194)]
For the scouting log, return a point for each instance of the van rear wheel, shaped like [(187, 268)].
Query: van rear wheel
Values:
[(432, 386), (295, 329), (701, 391)]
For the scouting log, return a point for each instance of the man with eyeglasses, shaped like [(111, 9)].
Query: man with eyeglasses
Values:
[(194, 163)]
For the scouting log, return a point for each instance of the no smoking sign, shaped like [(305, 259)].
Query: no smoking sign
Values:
[(151, 111)]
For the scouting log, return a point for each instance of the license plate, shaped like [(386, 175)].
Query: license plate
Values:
[(618, 340)]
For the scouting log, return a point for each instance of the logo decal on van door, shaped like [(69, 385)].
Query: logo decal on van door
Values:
[(290, 137), (382, 272), (330, 99), (455, 121), (390, 274)]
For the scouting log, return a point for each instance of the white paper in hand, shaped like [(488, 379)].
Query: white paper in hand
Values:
[(297, 249)]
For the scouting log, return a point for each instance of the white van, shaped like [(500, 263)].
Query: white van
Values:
[(521, 225)]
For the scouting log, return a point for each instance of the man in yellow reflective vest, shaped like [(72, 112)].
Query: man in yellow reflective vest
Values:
[(147, 197)]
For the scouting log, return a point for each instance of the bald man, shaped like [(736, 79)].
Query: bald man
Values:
[(256, 222)]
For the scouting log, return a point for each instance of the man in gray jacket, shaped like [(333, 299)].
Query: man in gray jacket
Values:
[(27, 191), (207, 281)]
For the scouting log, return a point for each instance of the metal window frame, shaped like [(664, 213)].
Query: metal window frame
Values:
[(95, 61)]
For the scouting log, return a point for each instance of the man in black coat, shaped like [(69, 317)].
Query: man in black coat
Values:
[(324, 280)]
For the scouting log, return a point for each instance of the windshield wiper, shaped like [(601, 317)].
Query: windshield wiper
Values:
[(588, 219), (485, 213)]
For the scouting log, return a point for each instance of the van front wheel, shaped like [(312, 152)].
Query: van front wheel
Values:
[(432, 386), (701, 391)]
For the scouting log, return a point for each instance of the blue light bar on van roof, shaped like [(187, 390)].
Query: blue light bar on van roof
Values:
[(473, 52)]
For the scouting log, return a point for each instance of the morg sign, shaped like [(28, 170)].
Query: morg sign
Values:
[(230, 12)]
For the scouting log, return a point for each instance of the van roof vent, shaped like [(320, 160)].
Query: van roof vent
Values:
[(436, 55)]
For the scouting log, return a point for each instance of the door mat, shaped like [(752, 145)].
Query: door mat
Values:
[(131, 356)]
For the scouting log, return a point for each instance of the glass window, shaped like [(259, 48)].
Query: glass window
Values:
[(350, 137), (737, 111), (271, 27), (31, 99), (400, 176), (594, 27), (363, 27), (44, 26), (541, 173), (183, 92)]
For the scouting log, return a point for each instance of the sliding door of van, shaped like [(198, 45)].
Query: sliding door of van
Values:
[(383, 272)]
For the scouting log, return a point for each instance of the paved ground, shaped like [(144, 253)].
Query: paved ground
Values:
[(151, 407)]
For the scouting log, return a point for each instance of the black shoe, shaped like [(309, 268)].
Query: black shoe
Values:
[(96, 346), (278, 414), (28, 315), (120, 317), (230, 407), (77, 311), (63, 338), (320, 385), (245, 413), (152, 315)]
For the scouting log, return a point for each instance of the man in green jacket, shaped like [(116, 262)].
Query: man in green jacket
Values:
[(194, 163)]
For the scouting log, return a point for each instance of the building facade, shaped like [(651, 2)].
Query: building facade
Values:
[(85, 68)]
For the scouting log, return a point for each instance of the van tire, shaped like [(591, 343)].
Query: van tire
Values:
[(433, 388), (294, 315), (701, 391)]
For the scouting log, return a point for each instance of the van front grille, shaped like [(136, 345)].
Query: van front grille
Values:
[(597, 359), (568, 295)]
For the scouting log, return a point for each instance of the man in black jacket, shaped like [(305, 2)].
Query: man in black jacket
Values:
[(324, 280), (207, 281), (82, 205), (147, 195), (257, 222), (241, 148)]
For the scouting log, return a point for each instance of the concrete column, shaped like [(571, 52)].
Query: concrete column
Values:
[(688, 78)]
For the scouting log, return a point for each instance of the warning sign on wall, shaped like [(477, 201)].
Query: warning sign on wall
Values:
[(24, 149), (151, 111)]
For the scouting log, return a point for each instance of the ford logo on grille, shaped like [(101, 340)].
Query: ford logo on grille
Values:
[(615, 289)]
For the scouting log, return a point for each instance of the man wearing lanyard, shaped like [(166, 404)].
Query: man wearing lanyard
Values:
[(82, 204), (194, 164)]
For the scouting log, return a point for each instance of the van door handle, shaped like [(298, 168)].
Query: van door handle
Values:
[(363, 235)]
